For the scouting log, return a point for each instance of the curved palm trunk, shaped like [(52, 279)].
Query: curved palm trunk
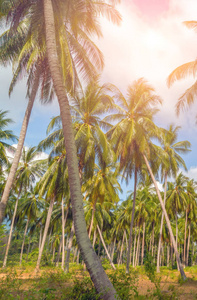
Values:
[(13, 169), (161, 227), (93, 264), (11, 229), (131, 225), (25, 232), (109, 257), (167, 220), (45, 233), (69, 248)]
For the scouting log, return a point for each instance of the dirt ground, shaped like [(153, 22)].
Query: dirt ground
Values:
[(169, 283)]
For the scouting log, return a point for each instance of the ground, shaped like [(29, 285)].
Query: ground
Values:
[(51, 283)]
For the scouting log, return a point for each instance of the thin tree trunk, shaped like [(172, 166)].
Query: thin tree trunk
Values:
[(153, 238), (121, 249), (60, 245), (94, 238), (75, 254), (131, 225), (137, 249), (40, 239), (168, 255), (28, 248), (103, 242), (134, 247), (63, 236), (25, 232), (45, 232), (161, 226), (113, 249), (142, 256), (93, 263), (92, 220), (185, 239), (17, 155), (167, 220), (188, 244), (69, 248), (11, 229), (176, 230)]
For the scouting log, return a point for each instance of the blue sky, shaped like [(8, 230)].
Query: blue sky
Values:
[(150, 44)]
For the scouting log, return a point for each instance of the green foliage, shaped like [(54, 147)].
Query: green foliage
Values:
[(150, 270), (83, 290), (126, 285)]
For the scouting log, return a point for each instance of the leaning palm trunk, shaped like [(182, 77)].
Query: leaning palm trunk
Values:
[(161, 227), (167, 220), (17, 155), (70, 242), (131, 225), (25, 232), (93, 264), (61, 240), (11, 229), (108, 255), (45, 233)]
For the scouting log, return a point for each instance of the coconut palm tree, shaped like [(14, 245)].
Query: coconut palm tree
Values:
[(182, 71), (24, 45), (172, 162), (28, 171), (128, 136)]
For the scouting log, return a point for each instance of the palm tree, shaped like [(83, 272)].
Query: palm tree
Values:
[(27, 49), (181, 72), (128, 135), (172, 162), (5, 135), (29, 170)]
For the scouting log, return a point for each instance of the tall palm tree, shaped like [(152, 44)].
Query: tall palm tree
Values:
[(182, 71), (24, 45), (128, 136), (28, 171), (172, 162)]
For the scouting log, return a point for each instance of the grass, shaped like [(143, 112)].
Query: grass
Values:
[(52, 283)]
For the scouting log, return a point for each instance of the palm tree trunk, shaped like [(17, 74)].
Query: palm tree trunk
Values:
[(28, 248), (61, 240), (188, 244), (167, 220), (121, 249), (93, 263), (25, 232), (40, 239), (17, 155), (113, 249), (168, 255), (142, 256), (161, 226), (46, 228), (134, 247), (69, 248), (63, 236), (94, 238), (153, 238), (92, 220), (11, 229), (131, 225), (185, 239), (103, 242), (137, 249), (176, 229)]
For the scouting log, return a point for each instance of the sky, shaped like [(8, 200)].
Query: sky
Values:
[(150, 42)]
